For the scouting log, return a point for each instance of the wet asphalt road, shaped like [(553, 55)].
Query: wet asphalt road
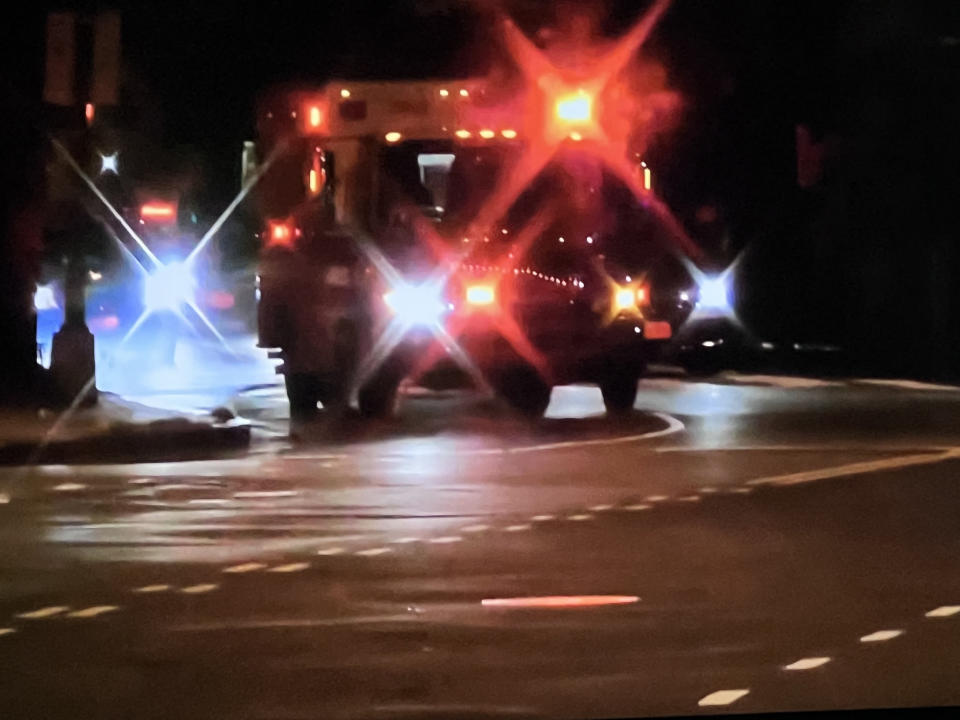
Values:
[(770, 544)]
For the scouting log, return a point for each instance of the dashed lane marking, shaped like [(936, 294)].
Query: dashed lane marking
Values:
[(474, 528), (255, 494), (560, 601), (656, 498), (152, 588), (580, 517), (373, 552), (689, 498), (290, 567), (600, 508), (7, 631), (68, 487), (445, 539), (405, 541), (44, 612), (807, 663), (943, 611), (543, 518), (858, 468), (199, 589), (330, 551), (881, 636), (244, 568), (517, 528), (637, 507), (722, 697), (93, 611), (707, 490)]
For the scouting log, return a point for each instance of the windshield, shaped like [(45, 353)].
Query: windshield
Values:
[(452, 359)]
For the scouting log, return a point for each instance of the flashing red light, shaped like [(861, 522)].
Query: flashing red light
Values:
[(279, 234), (157, 211), (575, 108), (89, 111), (315, 116)]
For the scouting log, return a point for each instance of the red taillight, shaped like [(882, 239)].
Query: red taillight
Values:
[(657, 330)]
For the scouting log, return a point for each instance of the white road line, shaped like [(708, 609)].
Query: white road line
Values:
[(943, 611), (199, 589), (689, 498), (656, 498), (881, 636), (600, 508), (290, 567), (265, 494), (673, 426), (907, 384), (807, 663), (580, 517), (445, 539), (330, 551), (543, 518), (244, 568), (372, 552), (405, 541), (721, 697), (43, 612), (740, 490), (93, 611), (140, 481), (707, 490), (517, 528), (68, 487), (858, 468), (7, 631), (151, 589), (475, 528), (637, 507)]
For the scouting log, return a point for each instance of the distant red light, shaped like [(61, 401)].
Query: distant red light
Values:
[(280, 234)]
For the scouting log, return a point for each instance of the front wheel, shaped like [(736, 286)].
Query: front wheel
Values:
[(377, 398), (619, 392), (525, 390), (303, 391)]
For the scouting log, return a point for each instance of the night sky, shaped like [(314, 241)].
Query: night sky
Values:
[(874, 80), (203, 64)]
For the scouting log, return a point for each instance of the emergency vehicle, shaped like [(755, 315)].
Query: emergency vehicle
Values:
[(385, 254)]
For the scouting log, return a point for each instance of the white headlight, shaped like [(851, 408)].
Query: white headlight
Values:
[(169, 287), (416, 305), (45, 299), (715, 293)]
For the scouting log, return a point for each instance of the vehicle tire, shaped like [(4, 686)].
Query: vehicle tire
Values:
[(525, 390), (302, 393), (619, 392), (377, 398)]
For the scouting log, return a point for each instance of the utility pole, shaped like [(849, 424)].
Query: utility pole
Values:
[(82, 76)]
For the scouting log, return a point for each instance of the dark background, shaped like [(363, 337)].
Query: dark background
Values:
[(865, 257)]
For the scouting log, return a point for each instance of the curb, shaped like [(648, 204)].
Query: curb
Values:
[(159, 441)]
